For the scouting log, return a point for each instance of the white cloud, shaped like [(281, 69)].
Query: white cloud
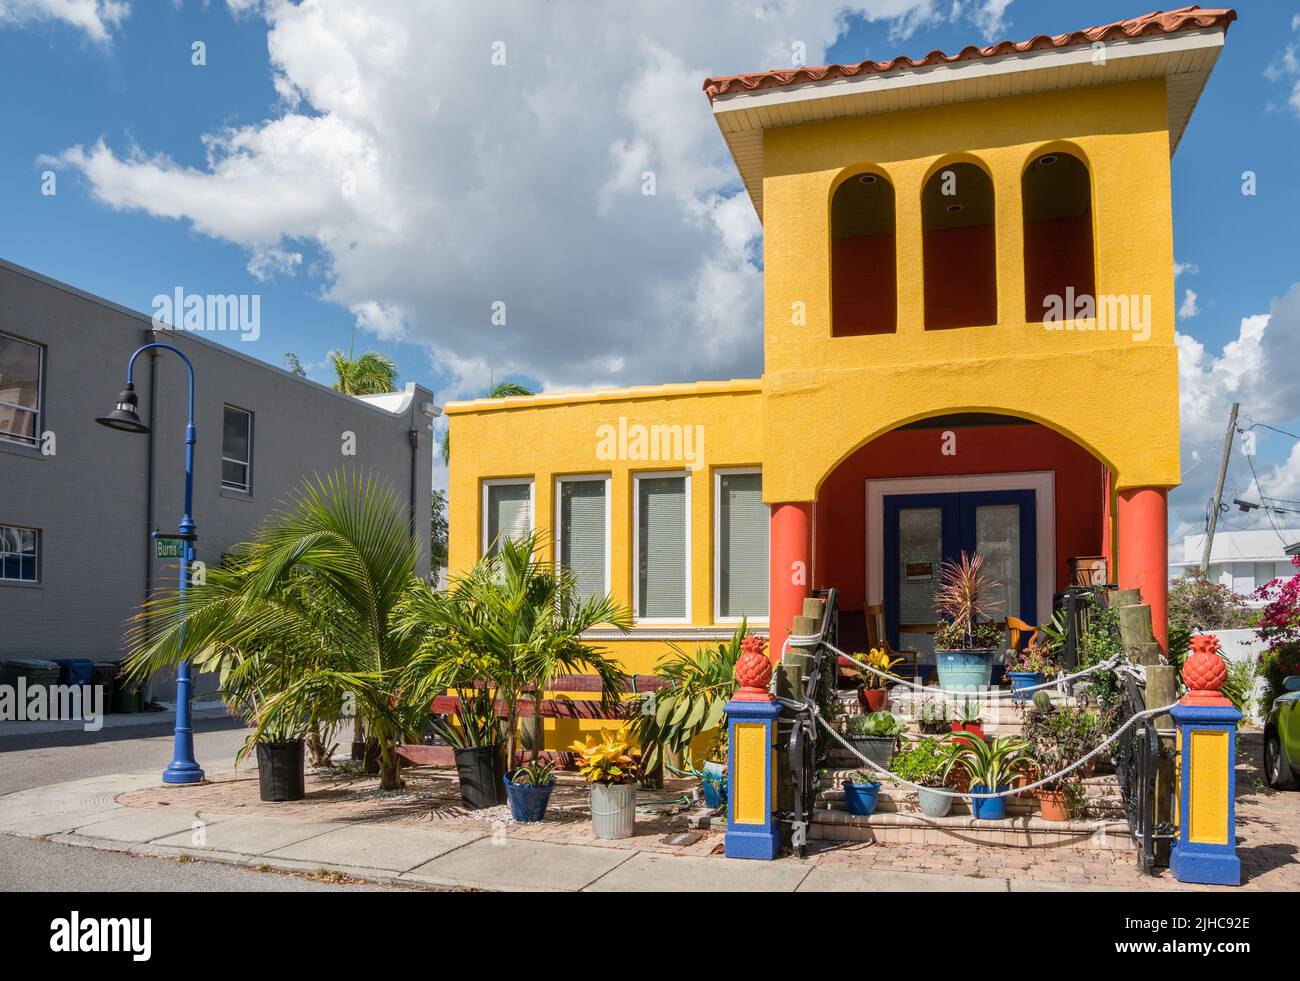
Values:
[(1190, 268), (1189, 307), (97, 18), (1257, 370), (435, 183), (267, 263)]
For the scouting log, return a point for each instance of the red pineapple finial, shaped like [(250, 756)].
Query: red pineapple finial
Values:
[(753, 670), (1205, 672)]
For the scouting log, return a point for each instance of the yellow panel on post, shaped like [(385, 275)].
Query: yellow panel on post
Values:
[(1207, 808), (750, 806)]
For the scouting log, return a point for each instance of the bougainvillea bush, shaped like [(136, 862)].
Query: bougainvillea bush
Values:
[(1279, 627)]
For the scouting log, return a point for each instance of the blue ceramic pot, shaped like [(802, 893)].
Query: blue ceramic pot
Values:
[(527, 803), (861, 798), (1024, 679), (964, 669), (715, 785), (988, 808)]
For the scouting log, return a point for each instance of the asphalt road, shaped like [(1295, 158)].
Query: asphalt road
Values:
[(39, 760)]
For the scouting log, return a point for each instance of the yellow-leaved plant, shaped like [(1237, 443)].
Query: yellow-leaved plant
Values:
[(609, 761)]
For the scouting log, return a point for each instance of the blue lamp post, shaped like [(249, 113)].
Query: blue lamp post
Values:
[(183, 768)]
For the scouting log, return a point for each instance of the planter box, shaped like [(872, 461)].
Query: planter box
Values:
[(280, 771)]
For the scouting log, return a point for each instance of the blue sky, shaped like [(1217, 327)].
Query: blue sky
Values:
[(480, 183)]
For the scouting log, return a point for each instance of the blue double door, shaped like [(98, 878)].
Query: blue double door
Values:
[(922, 531)]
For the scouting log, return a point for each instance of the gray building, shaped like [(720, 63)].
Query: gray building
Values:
[(78, 501)]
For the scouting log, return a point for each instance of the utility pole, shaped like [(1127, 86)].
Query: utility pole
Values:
[(1218, 491)]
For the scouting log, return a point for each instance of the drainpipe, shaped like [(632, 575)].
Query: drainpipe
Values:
[(414, 437)]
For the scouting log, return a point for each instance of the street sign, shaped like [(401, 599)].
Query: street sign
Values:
[(169, 548)]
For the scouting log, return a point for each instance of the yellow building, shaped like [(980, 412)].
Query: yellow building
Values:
[(969, 345)]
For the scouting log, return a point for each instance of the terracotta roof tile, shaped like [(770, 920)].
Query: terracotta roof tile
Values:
[(1158, 22)]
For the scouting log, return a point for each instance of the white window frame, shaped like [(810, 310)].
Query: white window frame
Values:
[(483, 506), (559, 526), (36, 536), (39, 411), (718, 474), (246, 464), (636, 545)]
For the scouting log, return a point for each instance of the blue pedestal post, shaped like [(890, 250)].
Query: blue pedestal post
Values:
[(1206, 849), (752, 828)]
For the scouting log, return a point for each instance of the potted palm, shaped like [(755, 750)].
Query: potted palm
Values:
[(473, 731), (528, 790), (319, 586), (966, 643), (613, 772), (990, 767), (871, 686), (927, 764), (514, 622), (875, 736)]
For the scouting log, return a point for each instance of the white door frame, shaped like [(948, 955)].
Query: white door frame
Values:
[(1042, 483)]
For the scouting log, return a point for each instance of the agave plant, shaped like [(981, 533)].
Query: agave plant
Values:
[(536, 773), (991, 764), (692, 702), (302, 620)]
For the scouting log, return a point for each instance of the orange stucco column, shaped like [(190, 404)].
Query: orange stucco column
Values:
[(1144, 551), (789, 570)]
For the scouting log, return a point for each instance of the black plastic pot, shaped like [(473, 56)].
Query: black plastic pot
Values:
[(372, 757), (280, 771), (481, 776)]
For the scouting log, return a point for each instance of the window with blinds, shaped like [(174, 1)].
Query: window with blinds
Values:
[(508, 513), (662, 552), (742, 546), (582, 545)]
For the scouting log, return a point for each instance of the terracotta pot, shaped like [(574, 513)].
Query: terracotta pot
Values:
[(871, 699), (974, 728), (1053, 806)]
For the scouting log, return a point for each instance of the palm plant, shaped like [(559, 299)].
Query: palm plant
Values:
[(370, 373), (692, 702), (516, 620), (501, 390), (306, 612)]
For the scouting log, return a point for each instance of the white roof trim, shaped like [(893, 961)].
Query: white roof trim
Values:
[(1185, 59)]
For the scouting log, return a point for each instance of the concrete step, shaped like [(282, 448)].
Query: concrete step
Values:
[(1104, 800), (1019, 831)]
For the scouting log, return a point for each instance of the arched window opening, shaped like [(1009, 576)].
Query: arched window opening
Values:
[(1057, 199), (863, 266), (957, 219)]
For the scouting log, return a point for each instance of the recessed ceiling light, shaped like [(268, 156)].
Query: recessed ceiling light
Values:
[(956, 209), (1048, 160), (868, 178)]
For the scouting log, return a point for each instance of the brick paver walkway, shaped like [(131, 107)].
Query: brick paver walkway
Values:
[(1268, 827)]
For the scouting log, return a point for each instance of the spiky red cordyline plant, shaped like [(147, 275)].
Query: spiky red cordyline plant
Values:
[(965, 592)]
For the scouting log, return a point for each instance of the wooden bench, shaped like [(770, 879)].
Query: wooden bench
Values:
[(562, 707)]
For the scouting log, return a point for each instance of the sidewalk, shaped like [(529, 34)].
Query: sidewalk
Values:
[(419, 839), (200, 710)]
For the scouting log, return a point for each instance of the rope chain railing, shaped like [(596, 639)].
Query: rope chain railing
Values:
[(1082, 761), (1017, 693)]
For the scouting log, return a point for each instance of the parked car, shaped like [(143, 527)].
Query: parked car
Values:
[(1282, 738)]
